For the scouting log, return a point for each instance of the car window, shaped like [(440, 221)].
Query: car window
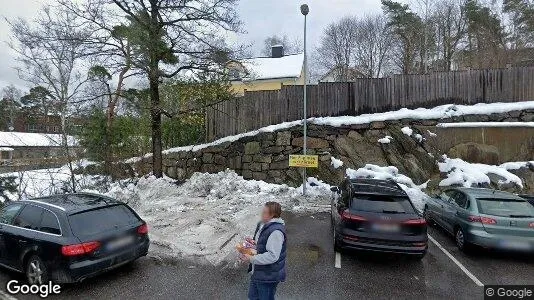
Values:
[(460, 199), (505, 207), (49, 223), (449, 195), (95, 221), (29, 217), (345, 196), (382, 204), (9, 212)]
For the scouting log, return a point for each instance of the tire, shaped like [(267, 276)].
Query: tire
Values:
[(426, 216), (36, 271), (459, 239)]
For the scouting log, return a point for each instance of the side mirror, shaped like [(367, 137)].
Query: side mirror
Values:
[(334, 189)]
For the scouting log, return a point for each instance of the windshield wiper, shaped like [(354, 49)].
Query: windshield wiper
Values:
[(520, 216), (393, 212)]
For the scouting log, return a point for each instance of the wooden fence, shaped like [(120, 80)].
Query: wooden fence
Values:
[(368, 95)]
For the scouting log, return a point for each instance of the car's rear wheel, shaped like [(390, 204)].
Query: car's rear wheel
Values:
[(459, 238), (36, 272)]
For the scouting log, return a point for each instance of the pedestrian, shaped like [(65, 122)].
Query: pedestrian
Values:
[(268, 266)]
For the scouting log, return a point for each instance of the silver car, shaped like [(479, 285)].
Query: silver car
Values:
[(484, 217)]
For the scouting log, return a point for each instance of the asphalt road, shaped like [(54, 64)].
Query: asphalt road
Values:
[(312, 273)]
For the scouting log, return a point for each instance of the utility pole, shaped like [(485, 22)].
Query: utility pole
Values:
[(304, 9)]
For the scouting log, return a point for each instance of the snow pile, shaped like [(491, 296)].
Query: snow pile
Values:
[(260, 68), (45, 182), (438, 112), (28, 139), (205, 217), (485, 124), (385, 140), (413, 190), (407, 131), (336, 163), (462, 173)]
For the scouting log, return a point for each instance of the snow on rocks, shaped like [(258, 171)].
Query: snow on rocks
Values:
[(462, 173), (407, 130), (385, 140), (438, 112), (336, 163), (206, 216), (432, 134), (413, 190)]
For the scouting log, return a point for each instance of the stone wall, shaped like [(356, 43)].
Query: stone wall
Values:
[(265, 156)]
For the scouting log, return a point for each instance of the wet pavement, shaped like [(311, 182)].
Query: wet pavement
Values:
[(312, 273)]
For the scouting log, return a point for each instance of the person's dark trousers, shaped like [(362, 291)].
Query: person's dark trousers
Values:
[(261, 290)]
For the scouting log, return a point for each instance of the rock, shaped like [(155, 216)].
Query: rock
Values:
[(207, 158), (252, 166), (378, 125), (247, 174), (527, 117), (262, 158), (246, 158), (311, 143), (280, 165), (259, 176), (475, 153), (283, 138), (171, 172), (252, 148), (219, 159)]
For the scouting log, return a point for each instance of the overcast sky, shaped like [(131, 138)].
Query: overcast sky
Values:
[(261, 18)]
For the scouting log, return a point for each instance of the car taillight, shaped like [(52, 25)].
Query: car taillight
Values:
[(80, 249), (415, 222), (531, 225), (347, 216), (483, 220), (143, 229)]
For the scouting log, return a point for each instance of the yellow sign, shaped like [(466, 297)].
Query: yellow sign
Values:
[(304, 161)]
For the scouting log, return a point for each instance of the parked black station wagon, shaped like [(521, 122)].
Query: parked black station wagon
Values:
[(68, 238), (377, 215)]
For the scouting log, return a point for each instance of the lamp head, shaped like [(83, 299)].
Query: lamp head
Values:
[(304, 9)]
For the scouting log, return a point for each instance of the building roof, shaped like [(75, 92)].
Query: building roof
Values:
[(28, 139), (264, 68)]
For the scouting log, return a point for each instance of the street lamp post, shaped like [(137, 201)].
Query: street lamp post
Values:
[(304, 9)]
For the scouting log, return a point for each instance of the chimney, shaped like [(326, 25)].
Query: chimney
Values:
[(277, 51)]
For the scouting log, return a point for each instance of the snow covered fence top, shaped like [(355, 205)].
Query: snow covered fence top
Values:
[(27, 139), (436, 113)]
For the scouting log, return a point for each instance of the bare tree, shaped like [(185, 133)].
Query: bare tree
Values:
[(337, 47), (11, 97), (373, 47), (51, 50), (451, 26), (290, 46), (168, 38)]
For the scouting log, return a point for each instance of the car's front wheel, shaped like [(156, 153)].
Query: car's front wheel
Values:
[(36, 272)]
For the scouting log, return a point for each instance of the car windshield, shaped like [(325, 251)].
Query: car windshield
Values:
[(505, 207), (382, 204), (100, 220)]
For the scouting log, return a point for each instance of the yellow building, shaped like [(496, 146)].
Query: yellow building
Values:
[(266, 73)]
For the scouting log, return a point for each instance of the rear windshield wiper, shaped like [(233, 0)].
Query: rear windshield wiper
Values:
[(393, 212), (520, 216)]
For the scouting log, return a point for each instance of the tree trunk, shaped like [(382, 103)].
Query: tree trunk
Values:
[(156, 125), (108, 153)]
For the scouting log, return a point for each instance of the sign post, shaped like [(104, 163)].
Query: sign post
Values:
[(304, 9)]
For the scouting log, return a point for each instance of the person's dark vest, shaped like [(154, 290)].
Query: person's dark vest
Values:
[(275, 272)]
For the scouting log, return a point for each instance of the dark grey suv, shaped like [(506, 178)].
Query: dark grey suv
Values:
[(484, 217)]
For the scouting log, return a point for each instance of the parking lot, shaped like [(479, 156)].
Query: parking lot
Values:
[(315, 272)]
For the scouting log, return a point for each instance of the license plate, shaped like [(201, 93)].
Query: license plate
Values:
[(517, 245), (386, 227), (119, 243)]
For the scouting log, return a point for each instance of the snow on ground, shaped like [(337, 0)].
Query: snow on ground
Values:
[(466, 174), (413, 190), (336, 163), (205, 217), (29, 139), (432, 134), (385, 140), (44, 182), (486, 124), (438, 112), (418, 137), (407, 130)]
